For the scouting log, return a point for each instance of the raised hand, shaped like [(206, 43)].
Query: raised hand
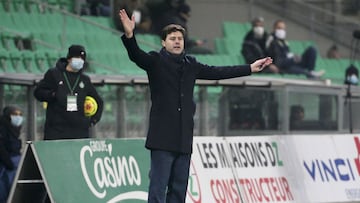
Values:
[(128, 25), (260, 64)]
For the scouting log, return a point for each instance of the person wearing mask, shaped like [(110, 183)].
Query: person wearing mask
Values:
[(65, 88), (10, 145), (253, 46), (172, 75), (286, 61)]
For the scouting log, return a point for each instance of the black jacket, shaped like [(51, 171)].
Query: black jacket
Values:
[(278, 50), (171, 81), (10, 144), (53, 89), (253, 48)]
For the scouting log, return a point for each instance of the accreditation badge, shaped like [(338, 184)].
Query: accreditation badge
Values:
[(71, 103)]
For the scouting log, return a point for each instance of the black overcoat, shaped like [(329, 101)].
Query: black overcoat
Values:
[(172, 84)]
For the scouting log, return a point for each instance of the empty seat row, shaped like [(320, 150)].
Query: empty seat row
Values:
[(34, 6), (28, 23), (27, 61)]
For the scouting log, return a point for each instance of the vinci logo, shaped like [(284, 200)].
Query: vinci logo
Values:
[(110, 172), (338, 169), (357, 159)]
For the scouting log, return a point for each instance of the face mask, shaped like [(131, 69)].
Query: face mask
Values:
[(16, 120), (353, 79), (280, 33), (258, 31), (77, 63)]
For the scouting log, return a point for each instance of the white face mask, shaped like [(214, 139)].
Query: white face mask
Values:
[(258, 31), (280, 33), (77, 63), (16, 120), (353, 79)]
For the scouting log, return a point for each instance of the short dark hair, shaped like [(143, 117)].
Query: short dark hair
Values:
[(277, 22), (170, 29)]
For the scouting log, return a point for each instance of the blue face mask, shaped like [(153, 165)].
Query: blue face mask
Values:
[(77, 63), (16, 120)]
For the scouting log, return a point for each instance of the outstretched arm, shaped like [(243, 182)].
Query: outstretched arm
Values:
[(260, 64), (128, 24)]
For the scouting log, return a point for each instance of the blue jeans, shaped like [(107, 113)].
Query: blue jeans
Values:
[(7, 178), (169, 175)]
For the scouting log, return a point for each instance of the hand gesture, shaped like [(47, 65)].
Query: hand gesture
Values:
[(260, 64), (129, 25)]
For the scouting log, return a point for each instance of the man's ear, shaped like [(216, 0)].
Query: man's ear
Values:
[(163, 43)]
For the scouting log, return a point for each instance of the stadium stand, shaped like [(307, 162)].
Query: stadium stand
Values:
[(34, 35)]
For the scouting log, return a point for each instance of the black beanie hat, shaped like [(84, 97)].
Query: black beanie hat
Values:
[(76, 51), (8, 110)]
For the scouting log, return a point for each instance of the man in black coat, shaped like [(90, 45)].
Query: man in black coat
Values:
[(172, 75), (65, 88)]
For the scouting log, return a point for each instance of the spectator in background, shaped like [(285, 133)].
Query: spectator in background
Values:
[(10, 146), (161, 11), (136, 8), (333, 52), (286, 61), (253, 46), (297, 115), (179, 14), (99, 7)]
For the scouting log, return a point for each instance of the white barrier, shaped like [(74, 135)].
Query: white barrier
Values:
[(301, 168)]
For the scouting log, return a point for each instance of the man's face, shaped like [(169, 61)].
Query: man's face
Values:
[(174, 42)]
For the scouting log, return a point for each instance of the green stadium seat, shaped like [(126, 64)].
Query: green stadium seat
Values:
[(220, 59), (104, 42), (8, 24), (53, 57), (299, 46), (41, 60), (5, 63), (103, 62), (53, 22), (148, 42), (97, 22), (30, 62), (33, 7), (335, 68), (75, 38), (16, 58), (18, 6), (53, 41), (67, 5), (74, 24), (228, 45), (2, 7), (235, 29)]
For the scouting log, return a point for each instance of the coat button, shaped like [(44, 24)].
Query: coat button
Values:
[(179, 109), (182, 94)]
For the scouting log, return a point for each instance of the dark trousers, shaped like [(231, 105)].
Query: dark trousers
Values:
[(307, 63), (169, 174)]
